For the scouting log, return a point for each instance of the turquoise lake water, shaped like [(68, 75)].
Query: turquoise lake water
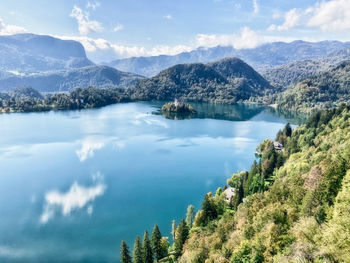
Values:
[(73, 184)]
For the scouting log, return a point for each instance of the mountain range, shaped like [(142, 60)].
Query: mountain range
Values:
[(70, 79), (288, 72), (260, 58), (50, 64), (29, 53)]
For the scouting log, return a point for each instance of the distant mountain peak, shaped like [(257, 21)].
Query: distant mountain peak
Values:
[(30, 53), (260, 58)]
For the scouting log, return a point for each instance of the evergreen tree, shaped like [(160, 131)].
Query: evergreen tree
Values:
[(209, 209), (287, 131), (190, 216), (147, 254), (164, 244), (180, 237), (137, 252), (173, 229), (124, 253), (155, 242), (237, 198)]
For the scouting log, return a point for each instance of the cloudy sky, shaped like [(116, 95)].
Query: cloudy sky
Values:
[(111, 29)]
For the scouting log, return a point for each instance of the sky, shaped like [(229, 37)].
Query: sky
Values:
[(111, 29)]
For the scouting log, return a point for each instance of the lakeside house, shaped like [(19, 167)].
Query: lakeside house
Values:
[(278, 146), (229, 192)]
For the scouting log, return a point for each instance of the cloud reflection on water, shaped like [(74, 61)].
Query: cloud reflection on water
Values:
[(77, 197)]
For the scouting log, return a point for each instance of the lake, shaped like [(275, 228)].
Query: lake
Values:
[(73, 184)]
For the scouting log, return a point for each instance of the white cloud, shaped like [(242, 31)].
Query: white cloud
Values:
[(247, 38), (331, 16), (6, 29), (99, 49), (168, 16), (276, 14), (93, 5), (77, 197), (118, 27), (255, 6), (291, 19), (88, 147), (85, 25)]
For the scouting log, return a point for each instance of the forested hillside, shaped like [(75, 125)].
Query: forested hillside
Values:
[(291, 206), (288, 74), (226, 81), (326, 89)]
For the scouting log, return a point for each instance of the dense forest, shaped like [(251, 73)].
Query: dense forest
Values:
[(225, 81), (27, 99), (291, 206), (286, 75), (324, 90)]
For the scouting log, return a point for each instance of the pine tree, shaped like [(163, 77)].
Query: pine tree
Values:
[(137, 252), (173, 229), (124, 253), (190, 216), (209, 209), (155, 242), (180, 237), (287, 131), (147, 254)]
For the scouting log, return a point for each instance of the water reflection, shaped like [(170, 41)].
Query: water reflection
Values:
[(237, 112)]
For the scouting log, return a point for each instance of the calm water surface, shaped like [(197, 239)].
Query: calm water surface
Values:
[(74, 184)]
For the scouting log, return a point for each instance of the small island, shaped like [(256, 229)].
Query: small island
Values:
[(178, 107)]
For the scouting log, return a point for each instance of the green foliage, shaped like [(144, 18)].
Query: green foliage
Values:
[(124, 253), (180, 237), (137, 252), (173, 229), (190, 216), (164, 246), (296, 201), (226, 81), (178, 108), (155, 242), (323, 90), (209, 210), (147, 254), (28, 100)]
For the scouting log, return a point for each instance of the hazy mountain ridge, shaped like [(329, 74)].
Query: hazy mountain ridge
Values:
[(225, 81), (260, 58), (28, 53), (50, 64), (68, 80)]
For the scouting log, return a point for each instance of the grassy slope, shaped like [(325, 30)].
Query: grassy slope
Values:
[(303, 216)]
